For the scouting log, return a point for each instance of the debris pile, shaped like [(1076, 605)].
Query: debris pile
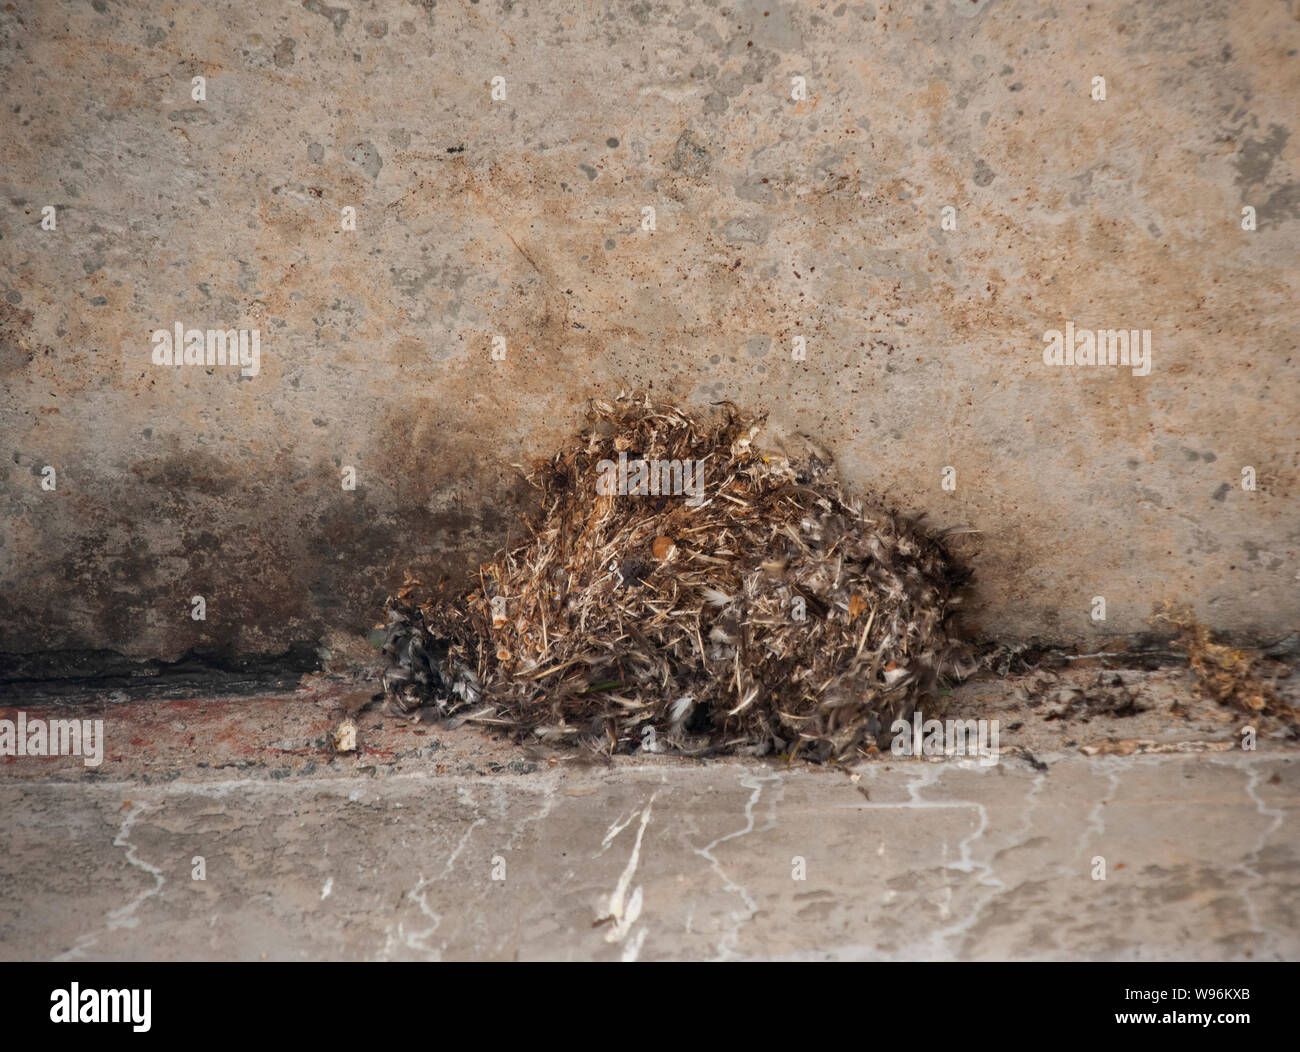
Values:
[(1106, 695), (685, 590), (1228, 675)]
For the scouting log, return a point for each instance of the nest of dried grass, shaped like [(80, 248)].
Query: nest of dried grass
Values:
[(768, 614)]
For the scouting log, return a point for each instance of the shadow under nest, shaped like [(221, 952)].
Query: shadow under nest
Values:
[(685, 590)]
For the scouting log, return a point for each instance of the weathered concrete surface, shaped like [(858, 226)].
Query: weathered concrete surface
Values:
[(284, 735), (522, 218), (391, 853), (667, 861)]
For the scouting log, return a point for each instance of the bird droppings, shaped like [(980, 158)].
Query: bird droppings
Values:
[(685, 590)]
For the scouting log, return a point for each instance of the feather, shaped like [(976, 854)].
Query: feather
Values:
[(771, 614)]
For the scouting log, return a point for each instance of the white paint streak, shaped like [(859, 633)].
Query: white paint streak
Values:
[(624, 909), (613, 831)]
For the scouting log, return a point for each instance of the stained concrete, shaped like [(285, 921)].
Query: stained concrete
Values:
[(919, 861), (522, 218), (440, 842)]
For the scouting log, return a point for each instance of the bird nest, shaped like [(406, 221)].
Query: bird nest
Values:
[(685, 590)]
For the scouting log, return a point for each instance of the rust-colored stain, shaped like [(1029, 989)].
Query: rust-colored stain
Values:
[(517, 220)]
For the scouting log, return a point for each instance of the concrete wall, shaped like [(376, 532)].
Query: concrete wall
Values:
[(522, 217)]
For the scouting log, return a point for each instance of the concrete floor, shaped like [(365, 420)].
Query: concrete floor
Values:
[(438, 844)]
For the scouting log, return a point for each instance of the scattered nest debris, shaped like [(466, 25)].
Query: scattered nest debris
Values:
[(1144, 746), (344, 736), (745, 604), (1106, 695), (1224, 674)]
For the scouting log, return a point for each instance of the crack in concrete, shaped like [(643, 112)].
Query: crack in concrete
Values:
[(729, 939), (937, 941), (417, 940), (124, 916), (1096, 822), (1247, 866), (549, 798), (1021, 837), (961, 912)]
